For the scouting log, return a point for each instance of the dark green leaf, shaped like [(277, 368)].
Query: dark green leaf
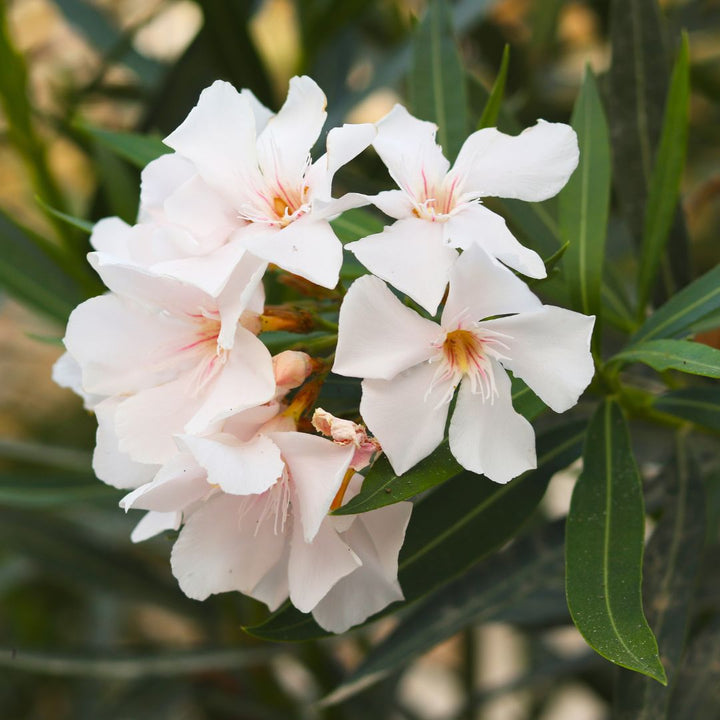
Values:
[(136, 666), (585, 201), (32, 275), (355, 224), (51, 489), (59, 458), (136, 149), (664, 183), (383, 487), (678, 315), (437, 79), (604, 549), (486, 593), (671, 565), (535, 224), (490, 114), (698, 405), (683, 355), (454, 527)]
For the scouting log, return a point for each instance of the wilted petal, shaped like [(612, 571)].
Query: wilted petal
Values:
[(316, 566), (489, 437), (484, 288), (405, 415), (533, 165), (476, 225), (379, 336), (550, 350), (411, 256)]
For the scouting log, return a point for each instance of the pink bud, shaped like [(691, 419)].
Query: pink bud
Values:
[(291, 369)]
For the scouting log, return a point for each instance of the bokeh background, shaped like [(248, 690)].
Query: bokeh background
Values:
[(91, 627)]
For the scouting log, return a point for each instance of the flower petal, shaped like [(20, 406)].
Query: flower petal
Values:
[(177, 485), (283, 147), (550, 350), (248, 468), (66, 372), (394, 203), (153, 523), (376, 538), (317, 467), (402, 413), (489, 437), (408, 148), (273, 587), (110, 465), (379, 336), (483, 287), (246, 380), (218, 136), (223, 547), (307, 247), (316, 566), (160, 179), (411, 256), (533, 165), (476, 225)]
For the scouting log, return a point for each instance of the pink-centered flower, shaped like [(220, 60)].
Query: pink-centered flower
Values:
[(412, 367), (254, 501), (246, 170), (438, 210), (169, 359)]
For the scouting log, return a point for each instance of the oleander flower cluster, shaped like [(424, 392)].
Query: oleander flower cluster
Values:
[(213, 436)]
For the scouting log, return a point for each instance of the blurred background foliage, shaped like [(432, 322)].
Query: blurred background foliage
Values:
[(94, 628)]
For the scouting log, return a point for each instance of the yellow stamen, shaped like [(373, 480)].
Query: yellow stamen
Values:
[(337, 502), (462, 349), (280, 207)]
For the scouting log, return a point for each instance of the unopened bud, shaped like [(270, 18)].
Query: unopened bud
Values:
[(291, 369)]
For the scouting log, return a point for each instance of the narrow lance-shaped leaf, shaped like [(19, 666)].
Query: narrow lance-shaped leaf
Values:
[(604, 547), (684, 355), (585, 201), (136, 149), (454, 527), (677, 317), (696, 404), (664, 184), (437, 79), (671, 565), (490, 114)]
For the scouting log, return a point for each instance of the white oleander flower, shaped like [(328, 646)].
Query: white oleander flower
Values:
[(438, 210), (412, 367)]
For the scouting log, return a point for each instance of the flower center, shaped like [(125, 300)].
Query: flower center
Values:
[(435, 203), (468, 351), (273, 504)]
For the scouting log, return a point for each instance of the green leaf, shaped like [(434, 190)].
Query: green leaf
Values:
[(683, 355), (664, 183), (136, 149), (452, 528), (54, 456), (383, 487), (585, 201), (85, 225), (32, 275), (604, 546), (437, 79), (486, 593), (355, 224), (698, 405), (535, 224), (671, 565), (678, 315), (490, 114), (129, 666)]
